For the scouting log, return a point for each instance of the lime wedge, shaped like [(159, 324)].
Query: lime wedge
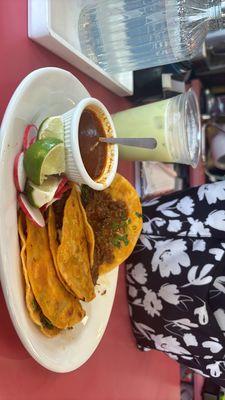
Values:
[(43, 158), (51, 127), (40, 195)]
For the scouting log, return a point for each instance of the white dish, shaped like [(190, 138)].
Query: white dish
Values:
[(47, 91), (54, 25), (75, 168)]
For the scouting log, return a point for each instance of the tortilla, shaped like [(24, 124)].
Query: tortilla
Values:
[(122, 198), (121, 189), (53, 243), (56, 303), (34, 310), (90, 237), (74, 253)]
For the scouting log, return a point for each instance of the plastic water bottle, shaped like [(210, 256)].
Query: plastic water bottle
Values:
[(127, 35)]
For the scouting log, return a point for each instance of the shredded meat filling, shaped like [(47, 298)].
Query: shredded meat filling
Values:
[(109, 220), (58, 207)]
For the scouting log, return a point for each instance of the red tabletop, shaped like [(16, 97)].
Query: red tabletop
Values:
[(117, 370)]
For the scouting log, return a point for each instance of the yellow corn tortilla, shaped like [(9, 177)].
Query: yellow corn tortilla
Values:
[(88, 232), (73, 258), (52, 234), (121, 189), (54, 245), (34, 310), (56, 303)]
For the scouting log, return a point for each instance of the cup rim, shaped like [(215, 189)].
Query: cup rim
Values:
[(192, 98), (74, 137), (181, 151)]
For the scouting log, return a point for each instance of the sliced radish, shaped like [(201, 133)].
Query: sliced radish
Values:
[(33, 140), (63, 190), (34, 214), (45, 206), (30, 135), (56, 198), (61, 185), (19, 172)]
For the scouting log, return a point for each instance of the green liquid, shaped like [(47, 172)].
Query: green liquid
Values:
[(146, 121)]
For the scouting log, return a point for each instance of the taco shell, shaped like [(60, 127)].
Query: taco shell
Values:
[(56, 303), (54, 245), (121, 189), (75, 252), (34, 310)]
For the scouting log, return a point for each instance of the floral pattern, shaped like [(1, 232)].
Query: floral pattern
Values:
[(168, 344), (151, 303), (202, 314), (219, 314), (169, 293), (216, 220), (176, 279), (212, 196), (190, 339), (139, 273), (186, 205), (197, 228), (214, 369), (199, 245), (174, 225), (165, 257)]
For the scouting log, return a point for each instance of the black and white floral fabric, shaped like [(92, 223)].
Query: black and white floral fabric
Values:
[(176, 279)]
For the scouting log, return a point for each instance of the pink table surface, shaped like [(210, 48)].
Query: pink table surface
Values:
[(117, 370)]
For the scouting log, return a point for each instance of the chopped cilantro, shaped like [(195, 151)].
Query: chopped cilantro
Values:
[(118, 239), (46, 323), (115, 226), (118, 226), (34, 305), (116, 243), (125, 239), (138, 214), (123, 224), (123, 215)]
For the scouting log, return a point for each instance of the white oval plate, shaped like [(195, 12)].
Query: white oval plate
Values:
[(44, 92)]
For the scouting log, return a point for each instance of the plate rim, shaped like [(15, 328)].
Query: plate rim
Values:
[(25, 340)]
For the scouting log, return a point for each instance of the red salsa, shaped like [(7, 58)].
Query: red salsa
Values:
[(93, 152)]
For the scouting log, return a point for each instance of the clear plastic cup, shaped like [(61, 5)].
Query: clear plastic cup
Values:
[(174, 123)]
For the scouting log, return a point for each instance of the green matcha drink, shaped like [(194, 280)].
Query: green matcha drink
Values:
[(174, 123)]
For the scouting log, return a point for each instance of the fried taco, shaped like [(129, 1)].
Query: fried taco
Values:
[(72, 245), (87, 234), (115, 216), (59, 307), (55, 219), (33, 308)]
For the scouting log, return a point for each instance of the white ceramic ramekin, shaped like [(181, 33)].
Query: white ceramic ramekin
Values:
[(75, 169)]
